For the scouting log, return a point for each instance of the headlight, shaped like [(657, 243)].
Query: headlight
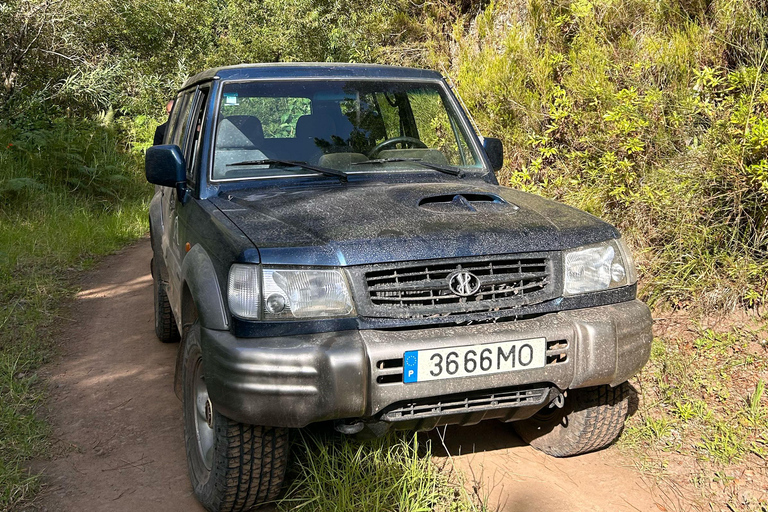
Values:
[(306, 294), (598, 267), (288, 293)]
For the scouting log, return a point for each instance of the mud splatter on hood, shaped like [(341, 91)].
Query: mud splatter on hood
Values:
[(351, 224)]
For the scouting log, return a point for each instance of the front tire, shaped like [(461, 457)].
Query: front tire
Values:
[(232, 466), (591, 419)]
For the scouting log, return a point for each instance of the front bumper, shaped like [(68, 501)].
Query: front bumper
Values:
[(297, 380)]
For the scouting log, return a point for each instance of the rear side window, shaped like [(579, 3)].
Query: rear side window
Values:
[(192, 154), (278, 116), (180, 118)]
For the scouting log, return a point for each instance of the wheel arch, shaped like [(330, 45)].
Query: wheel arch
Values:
[(156, 237), (201, 300), (200, 283)]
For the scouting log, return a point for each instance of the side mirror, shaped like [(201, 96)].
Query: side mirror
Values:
[(495, 152), (164, 165)]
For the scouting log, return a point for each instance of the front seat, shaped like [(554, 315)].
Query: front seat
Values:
[(238, 138), (313, 135)]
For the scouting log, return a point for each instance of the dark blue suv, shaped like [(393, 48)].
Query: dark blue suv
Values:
[(331, 245)]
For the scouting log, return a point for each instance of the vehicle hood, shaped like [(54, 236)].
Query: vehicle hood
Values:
[(354, 224)]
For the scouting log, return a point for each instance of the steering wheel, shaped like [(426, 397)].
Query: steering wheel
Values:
[(413, 142)]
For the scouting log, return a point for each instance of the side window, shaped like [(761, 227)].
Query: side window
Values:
[(174, 119), (435, 127), (390, 113), (182, 124), (278, 116), (179, 118), (192, 151)]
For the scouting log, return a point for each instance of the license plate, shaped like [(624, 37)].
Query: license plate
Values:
[(473, 360)]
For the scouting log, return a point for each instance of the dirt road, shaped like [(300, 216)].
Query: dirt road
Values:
[(117, 431)]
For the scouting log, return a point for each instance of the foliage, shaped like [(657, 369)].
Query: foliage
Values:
[(390, 473), (59, 54), (640, 113), (703, 407), (68, 193)]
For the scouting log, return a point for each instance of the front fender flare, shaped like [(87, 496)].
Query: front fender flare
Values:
[(156, 237), (199, 276)]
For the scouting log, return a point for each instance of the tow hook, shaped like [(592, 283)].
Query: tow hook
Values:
[(558, 402), (348, 428)]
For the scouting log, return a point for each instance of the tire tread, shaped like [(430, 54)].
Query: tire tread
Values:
[(254, 464), (596, 420), (249, 461), (165, 323)]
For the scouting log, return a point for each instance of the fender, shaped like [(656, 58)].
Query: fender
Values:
[(156, 236), (199, 275)]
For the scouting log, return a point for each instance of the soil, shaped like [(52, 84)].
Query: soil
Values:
[(117, 424)]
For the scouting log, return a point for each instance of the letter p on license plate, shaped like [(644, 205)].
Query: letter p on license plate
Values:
[(473, 360)]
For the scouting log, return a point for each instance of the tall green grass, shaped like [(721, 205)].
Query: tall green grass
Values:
[(392, 473), (69, 192)]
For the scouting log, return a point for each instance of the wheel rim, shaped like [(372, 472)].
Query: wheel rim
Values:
[(203, 417)]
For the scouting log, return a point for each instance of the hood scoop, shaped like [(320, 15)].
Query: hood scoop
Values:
[(466, 203)]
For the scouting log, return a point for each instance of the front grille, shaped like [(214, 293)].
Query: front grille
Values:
[(423, 288), (502, 400)]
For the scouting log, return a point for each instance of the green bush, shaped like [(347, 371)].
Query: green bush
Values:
[(69, 191), (85, 158), (642, 113)]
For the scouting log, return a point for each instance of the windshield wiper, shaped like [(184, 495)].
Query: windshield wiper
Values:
[(442, 168), (290, 163)]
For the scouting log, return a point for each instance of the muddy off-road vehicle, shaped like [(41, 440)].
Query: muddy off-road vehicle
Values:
[(331, 245)]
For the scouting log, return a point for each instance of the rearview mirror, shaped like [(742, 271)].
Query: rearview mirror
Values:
[(164, 165), (495, 152)]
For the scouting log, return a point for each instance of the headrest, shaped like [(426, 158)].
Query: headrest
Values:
[(239, 132), (315, 126), (250, 126)]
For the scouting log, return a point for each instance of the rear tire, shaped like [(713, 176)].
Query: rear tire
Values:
[(591, 419), (165, 323), (232, 466)]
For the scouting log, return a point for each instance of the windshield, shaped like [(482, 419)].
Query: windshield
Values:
[(353, 126)]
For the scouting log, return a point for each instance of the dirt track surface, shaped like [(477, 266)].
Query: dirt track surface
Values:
[(117, 426)]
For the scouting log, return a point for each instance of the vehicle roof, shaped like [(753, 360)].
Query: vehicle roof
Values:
[(280, 70)]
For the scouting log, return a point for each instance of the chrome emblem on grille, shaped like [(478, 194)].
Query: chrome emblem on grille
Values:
[(463, 283)]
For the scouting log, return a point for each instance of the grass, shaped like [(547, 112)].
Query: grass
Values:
[(72, 193), (393, 473), (42, 248), (703, 415), (51, 227)]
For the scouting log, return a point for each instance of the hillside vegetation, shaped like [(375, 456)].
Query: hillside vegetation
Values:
[(648, 113)]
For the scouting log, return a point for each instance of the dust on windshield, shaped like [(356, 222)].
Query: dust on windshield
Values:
[(350, 126)]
